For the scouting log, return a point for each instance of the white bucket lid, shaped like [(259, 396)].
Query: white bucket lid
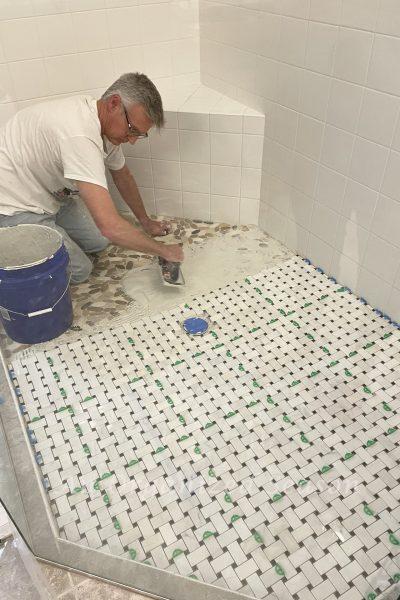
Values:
[(24, 246)]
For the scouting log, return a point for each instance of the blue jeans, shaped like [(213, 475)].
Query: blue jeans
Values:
[(80, 233)]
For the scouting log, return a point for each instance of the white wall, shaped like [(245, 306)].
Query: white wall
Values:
[(327, 75), (55, 47)]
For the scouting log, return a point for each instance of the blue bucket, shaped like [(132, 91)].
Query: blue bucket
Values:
[(35, 300)]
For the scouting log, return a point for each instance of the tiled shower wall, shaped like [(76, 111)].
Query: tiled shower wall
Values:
[(326, 73), (54, 47)]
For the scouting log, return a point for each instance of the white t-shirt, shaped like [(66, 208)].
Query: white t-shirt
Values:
[(46, 148)]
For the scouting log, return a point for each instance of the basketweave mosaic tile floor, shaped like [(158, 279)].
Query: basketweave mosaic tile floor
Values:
[(262, 457)]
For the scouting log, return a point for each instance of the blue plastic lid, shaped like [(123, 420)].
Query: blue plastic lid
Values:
[(195, 325)]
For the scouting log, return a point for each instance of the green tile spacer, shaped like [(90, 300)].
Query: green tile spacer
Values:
[(106, 475), (186, 306), (286, 419), (369, 345), (252, 403), (63, 393), (258, 290), (50, 361), (87, 398), (149, 369), (183, 438), (323, 297), (270, 400), (209, 424), (366, 389), (159, 384), (241, 367), (255, 384), (182, 420), (217, 346), (130, 340), (61, 409), (302, 482), (139, 354), (117, 524), (36, 419), (279, 570), (272, 321), (396, 577), (235, 518), (370, 443), (214, 334), (353, 353), (348, 373), (146, 562), (178, 362), (230, 414), (294, 383), (106, 499), (387, 335), (135, 379), (228, 498), (349, 455), (391, 430), (326, 468), (269, 301), (333, 363), (254, 329), (169, 400), (258, 537), (247, 280), (71, 410), (132, 553), (306, 305), (208, 534), (132, 462), (394, 540), (295, 324), (78, 429), (325, 349), (314, 373), (237, 337), (277, 497), (387, 407), (197, 354), (77, 490), (192, 576), (197, 450), (211, 472), (160, 449), (280, 310), (290, 313), (371, 596), (368, 511), (96, 485), (310, 337), (177, 552), (229, 354), (304, 439), (56, 376), (86, 449), (340, 290)]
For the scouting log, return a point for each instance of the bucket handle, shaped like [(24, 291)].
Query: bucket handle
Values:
[(36, 313)]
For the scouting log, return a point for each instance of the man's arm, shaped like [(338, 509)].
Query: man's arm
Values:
[(117, 229), (128, 189)]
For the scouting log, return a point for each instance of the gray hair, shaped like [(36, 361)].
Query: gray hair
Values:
[(136, 88)]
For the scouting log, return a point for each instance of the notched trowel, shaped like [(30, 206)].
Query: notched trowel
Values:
[(171, 272)]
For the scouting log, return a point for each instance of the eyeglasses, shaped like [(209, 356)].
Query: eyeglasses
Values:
[(132, 129)]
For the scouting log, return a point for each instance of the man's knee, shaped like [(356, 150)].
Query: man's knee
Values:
[(98, 245), (80, 271)]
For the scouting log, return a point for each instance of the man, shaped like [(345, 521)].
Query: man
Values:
[(52, 170)]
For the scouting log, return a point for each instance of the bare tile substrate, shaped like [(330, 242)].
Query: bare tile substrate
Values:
[(262, 457)]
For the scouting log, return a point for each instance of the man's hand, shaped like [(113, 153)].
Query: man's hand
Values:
[(156, 228), (173, 253)]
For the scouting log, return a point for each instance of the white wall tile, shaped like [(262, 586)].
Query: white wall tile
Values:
[(304, 174), (169, 203), (19, 39), (283, 125), (321, 47), (164, 145), (385, 222), (391, 181), (166, 174), (158, 59), (226, 123), (320, 253), (194, 146), (252, 151), (393, 306), (7, 111), (359, 203), (79, 5), (49, 7), (140, 149), (195, 121), (324, 223), (381, 258), (352, 55), (297, 238), (253, 124), (300, 208), (225, 181), (64, 74), (288, 85), (195, 177), (6, 86), (155, 21), (12, 9), (185, 55), (250, 183), (226, 149), (120, 21), (224, 209), (56, 34), (29, 79), (374, 289), (388, 17), (90, 28), (361, 14), (249, 210), (337, 146), (277, 193), (196, 206), (292, 43), (97, 69), (330, 188), (383, 73), (344, 105), (351, 240), (309, 137), (128, 59), (314, 94), (346, 271), (378, 117), (326, 11), (272, 222), (267, 77), (368, 163), (149, 201), (271, 26), (141, 170)]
